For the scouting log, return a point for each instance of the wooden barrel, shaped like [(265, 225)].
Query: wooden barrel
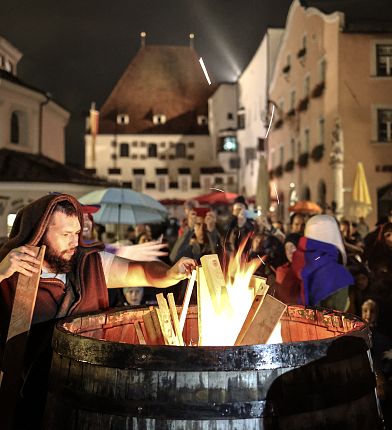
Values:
[(320, 377)]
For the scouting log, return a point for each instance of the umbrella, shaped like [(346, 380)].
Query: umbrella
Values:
[(361, 204), (124, 206), (305, 207), (216, 197)]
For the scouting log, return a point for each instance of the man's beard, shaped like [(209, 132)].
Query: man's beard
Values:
[(56, 261)]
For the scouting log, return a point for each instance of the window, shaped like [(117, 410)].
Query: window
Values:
[(122, 119), (235, 163), (15, 132), (159, 119), (292, 100), (384, 122), (180, 150), (202, 120), (250, 154), (124, 150), (228, 144), (162, 145), (241, 119), (306, 140), (384, 60), (307, 86), (322, 70), (152, 150), (114, 171), (191, 144), (321, 131), (230, 180), (230, 115), (281, 155)]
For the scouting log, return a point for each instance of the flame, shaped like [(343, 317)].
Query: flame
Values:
[(221, 325)]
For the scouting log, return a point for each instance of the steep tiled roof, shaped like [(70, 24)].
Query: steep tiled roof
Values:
[(361, 16), (160, 80), (16, 166)]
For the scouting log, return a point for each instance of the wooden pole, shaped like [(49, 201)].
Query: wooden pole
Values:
[(187, 298)]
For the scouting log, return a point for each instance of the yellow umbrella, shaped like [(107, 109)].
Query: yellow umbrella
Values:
[(361, 204)]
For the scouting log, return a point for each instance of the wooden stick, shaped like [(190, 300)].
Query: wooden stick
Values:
[(157, 325), (20, 323), (187, 298), (264, 322), (254, 309), (174, 315), (165, 321), (150, 329), (139, 333), (214, 278)]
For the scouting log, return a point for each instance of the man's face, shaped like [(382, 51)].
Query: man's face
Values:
[(61, 239), (298, 225), (133, 295), (87, 227), (237, 208), (388, 238)]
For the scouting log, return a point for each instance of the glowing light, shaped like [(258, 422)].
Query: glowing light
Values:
[(292, 185), (217, 189), (204, 70), (270, 123), (225, 323), (276, 192)]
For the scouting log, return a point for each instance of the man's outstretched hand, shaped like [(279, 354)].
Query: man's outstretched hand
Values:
[(182, 269)]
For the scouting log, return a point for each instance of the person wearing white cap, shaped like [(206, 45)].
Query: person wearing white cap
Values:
[(323, 279)]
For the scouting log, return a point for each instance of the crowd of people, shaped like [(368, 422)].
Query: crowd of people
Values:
[(315, 260)]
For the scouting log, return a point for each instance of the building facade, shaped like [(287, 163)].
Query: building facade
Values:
[(332, 88), (153, 128)]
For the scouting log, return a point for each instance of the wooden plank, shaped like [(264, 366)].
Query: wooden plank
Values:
[(264, 322), (14, 351), (174, 315), (165, 321), (214, 277), (152, 335), (254, 309), (157, 326), (187, 298), (139, 333)]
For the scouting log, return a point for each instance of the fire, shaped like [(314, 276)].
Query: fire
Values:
[(220, 321)]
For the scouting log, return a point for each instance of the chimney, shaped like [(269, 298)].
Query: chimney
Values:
[(191, 40), (143, 39)]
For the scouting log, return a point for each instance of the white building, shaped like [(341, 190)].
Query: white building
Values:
[(32, 143), (153, 129)]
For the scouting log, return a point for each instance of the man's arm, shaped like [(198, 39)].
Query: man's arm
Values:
[(126, 273), (20, 260)]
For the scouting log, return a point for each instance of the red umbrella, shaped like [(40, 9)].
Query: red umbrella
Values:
[(216, 197), (306, 207), (172, 202)]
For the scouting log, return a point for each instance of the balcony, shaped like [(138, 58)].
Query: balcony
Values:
[(278, 124), (303, 104), (317, 152), (278, 171), (289, 166), (303, 159), (301, 53), (318, 90)]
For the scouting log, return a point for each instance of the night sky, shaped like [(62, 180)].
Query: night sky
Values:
[(77, 49)]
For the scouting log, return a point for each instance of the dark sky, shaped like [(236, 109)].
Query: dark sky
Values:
[(78, 49)]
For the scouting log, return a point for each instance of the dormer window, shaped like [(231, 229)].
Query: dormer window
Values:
[(159, 119), (202, 120), (122, 119)]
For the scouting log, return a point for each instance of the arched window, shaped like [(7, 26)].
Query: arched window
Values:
[(305, 195), (322, 194), (152, 150), (180, 150), (15, 135)]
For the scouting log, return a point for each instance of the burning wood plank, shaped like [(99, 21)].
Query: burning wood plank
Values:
[(168, 331), (187, 298), (264, 322), (152, 334), (174, 315), (260, 286), (214, 277), (157, 327)]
